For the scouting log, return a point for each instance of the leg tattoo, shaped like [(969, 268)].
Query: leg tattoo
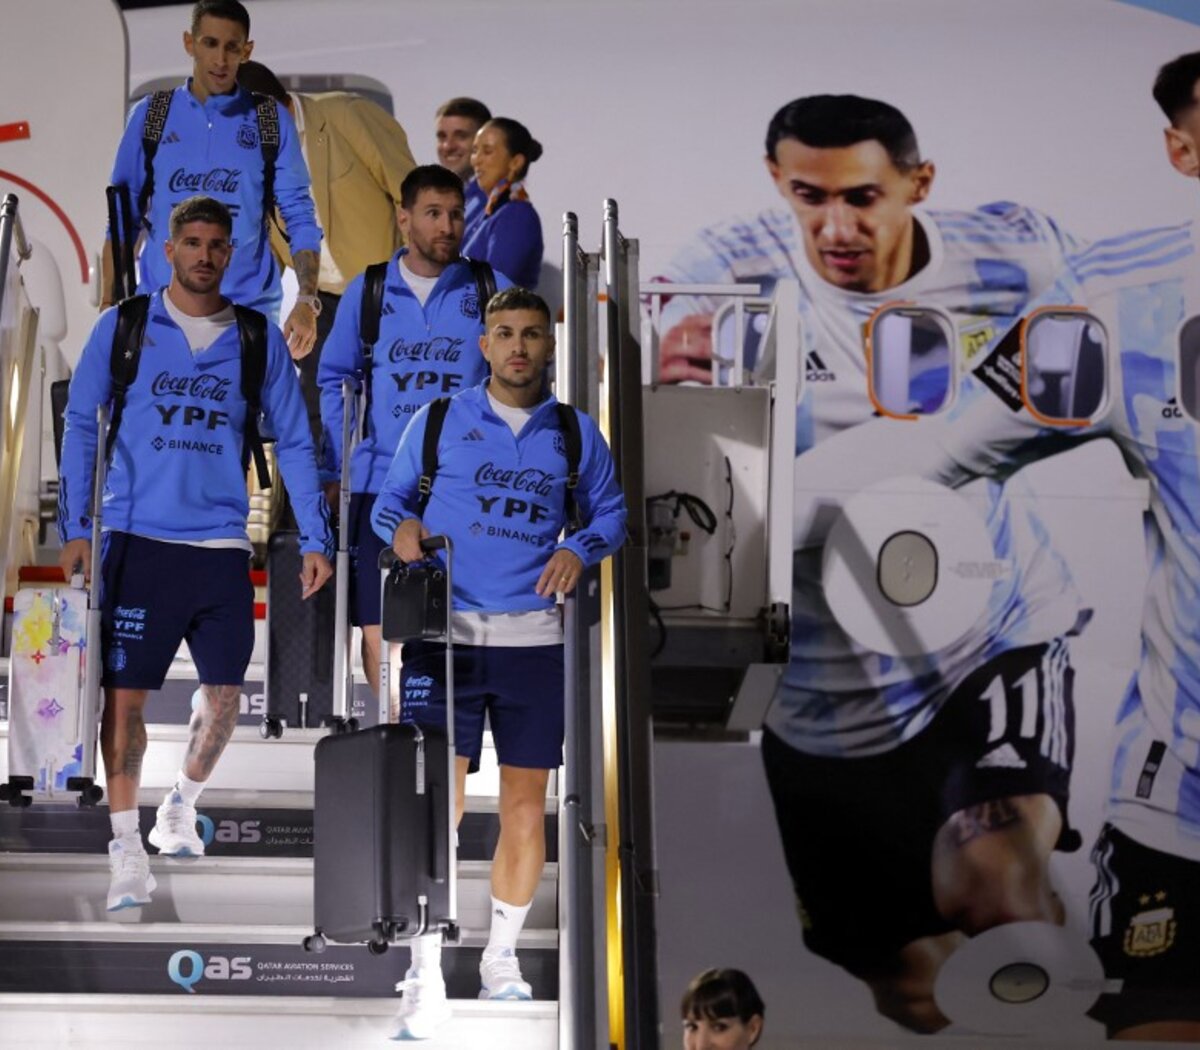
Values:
[(975, 821), (135, 746), (211, 727)]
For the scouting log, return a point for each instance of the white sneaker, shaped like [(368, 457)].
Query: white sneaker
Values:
[(500, 976), (423, 1005), (174, 832), (131, 883)]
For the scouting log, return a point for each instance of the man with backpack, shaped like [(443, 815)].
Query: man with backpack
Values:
[(186, 375), (211, 136), (501, 469), (405, 333)]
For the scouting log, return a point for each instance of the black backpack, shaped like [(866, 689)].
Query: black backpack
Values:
[(127, 352), (268, 140), (371, 309), (568, 421)]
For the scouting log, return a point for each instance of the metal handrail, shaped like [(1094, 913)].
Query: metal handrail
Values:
[(639, 876), (11, 233)]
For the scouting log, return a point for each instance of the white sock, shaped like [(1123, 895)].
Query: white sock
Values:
[(507, 921), (426, 953), (125, 825), (189, 790)]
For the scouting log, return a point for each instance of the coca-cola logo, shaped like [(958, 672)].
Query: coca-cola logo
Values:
[(529, 479), (439, 348), (217, 180), (201, 387)]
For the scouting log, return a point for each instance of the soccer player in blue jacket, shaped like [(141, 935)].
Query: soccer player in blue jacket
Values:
[(175, 560), (499, 495), (428, 333), (210, 143)]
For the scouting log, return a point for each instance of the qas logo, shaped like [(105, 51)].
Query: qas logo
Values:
[(210, 831), (187, 968)]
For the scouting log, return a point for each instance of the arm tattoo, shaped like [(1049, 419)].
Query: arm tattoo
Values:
[(135, 746), (975, 821), (211, 727), (307, 265)]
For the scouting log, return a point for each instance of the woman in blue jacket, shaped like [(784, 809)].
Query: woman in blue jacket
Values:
[(506, 231)]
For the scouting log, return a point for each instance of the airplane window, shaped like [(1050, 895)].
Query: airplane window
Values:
[(1189, 368), (1064, 366), (910, 369)]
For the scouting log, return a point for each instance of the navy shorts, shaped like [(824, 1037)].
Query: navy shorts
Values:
[(518, 688), (364, 554), (156, 595), (1145, 914)]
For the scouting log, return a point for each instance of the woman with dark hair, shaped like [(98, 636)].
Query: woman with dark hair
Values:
[(721, 1010), (506, 230)]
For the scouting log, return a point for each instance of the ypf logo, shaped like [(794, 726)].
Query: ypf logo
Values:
[(187, 968), (210, 831)]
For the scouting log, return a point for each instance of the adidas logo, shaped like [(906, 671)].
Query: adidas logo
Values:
[(815, 370), (170, 138), (474, 434), (387, 309), (1003, 757)]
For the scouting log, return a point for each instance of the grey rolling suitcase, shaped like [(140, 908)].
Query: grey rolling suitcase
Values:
[(384, 852), (308, 671)]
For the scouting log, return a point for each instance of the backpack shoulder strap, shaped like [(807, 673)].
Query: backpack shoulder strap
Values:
[(485, 282), (568, 420), (369, 313), (268, 140), (252, 334), (152, 132), (124, 357), (429, 450)]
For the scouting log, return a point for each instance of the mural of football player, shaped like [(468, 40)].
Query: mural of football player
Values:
[(879, 762)]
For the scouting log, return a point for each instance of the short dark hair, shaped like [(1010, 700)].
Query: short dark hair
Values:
[(462, 106), (1175, 85), (200, 209), (428, 177), (716, 994), (256, 77), (517, 298), (230, 10), (836, 121), (518, 140)]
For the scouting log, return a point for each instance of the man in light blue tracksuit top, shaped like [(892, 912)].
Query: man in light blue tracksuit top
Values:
[(176, 553), (499, 493), (211, 143), (428, 346)]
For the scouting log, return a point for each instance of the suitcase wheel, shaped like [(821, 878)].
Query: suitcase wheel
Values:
[(271, 727), (381, 941), (90, 795), (314, 942)]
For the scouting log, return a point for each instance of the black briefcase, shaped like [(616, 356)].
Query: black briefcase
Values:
[(415, 600)]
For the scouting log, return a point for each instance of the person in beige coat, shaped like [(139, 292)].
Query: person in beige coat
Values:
[(357, 156)]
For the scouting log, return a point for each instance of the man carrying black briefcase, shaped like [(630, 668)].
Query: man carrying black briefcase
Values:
[(500, 469)]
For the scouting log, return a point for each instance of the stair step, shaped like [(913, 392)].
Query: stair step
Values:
[(232, 823), (200, 1022), (221, 890), (251, 763), (211, 958)]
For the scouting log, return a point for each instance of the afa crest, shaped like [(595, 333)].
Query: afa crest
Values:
[(247, 136), (560, 444), (1150, 932), (469, 305)]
